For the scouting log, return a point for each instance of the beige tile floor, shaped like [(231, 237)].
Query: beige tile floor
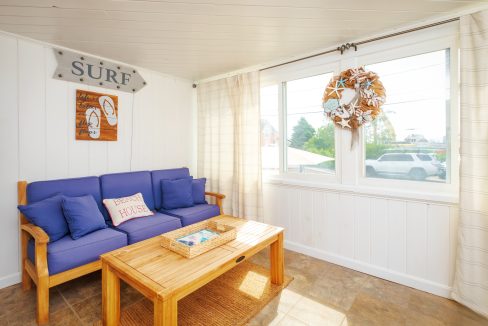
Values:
[(327, 294), (320, 294)]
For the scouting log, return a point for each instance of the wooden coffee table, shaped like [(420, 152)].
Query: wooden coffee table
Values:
[(165, 277)]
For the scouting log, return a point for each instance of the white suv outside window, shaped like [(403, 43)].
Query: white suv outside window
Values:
[(414, 166)]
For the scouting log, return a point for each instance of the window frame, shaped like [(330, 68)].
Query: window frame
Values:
[(281, 78), (326, 176), (350, 175), (452, 119)]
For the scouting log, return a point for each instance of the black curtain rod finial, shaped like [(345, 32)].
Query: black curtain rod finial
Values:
[(347, 46)]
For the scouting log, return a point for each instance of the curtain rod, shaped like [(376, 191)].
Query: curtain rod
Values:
[(347, 46)]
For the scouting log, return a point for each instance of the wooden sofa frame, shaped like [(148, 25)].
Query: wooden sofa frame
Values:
[(38, 272)]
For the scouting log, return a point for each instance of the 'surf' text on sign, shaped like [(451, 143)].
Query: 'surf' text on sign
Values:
[(92, 71)]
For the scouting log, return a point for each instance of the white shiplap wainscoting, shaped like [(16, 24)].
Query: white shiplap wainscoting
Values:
[(411, 242), (37, 132)]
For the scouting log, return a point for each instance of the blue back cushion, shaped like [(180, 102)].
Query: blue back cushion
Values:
[(198, 191), (159, 175), (118, 185), (82, 215), (48, 215), (177, 193), (75, 187)]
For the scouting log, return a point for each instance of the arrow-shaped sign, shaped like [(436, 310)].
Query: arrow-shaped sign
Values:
[(88, 70)]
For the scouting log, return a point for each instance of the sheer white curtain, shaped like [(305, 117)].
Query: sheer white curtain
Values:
[(471, 278), (229, 149)]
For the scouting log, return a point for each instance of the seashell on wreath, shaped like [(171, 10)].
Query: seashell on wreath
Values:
[(353, 98)]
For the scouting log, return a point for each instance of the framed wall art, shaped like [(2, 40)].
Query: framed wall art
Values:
[(96, 116)]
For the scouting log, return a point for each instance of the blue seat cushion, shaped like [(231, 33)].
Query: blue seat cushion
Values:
[(118, 185), (169, 174), (146, 227), (67, 253), (74, 187), (194, 214)]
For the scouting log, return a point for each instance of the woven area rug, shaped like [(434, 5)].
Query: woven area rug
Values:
[(231, 299)]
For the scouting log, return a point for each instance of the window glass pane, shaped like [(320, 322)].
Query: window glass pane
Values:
[(414, 120), (424, 157), (310, 136), (270, 130)]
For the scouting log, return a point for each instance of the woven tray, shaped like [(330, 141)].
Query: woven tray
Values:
[(226, 233)]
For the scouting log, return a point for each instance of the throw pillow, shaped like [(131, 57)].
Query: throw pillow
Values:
[(83, 215), (177, 193), (48, 215), (126, 208), (198, 191)]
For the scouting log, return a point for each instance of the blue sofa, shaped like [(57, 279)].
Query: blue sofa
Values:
[(51, 263)]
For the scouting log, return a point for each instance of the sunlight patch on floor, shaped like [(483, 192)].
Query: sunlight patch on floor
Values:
[(254, 284), (295, 309)]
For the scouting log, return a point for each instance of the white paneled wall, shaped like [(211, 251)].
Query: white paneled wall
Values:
[(37, 130), (406, 241)]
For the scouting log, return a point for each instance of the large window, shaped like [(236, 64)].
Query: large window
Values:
[(310, 137), (410, 139), (411, 146)]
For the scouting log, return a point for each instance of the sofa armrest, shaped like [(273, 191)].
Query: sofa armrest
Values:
[(215, 194), (36, 232), (218, 198), (38, 271)]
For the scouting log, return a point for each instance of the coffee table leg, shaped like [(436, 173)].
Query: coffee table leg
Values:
[(277, 261), (165, 312), (110, 296)]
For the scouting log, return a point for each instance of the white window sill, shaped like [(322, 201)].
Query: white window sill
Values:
[(444, 198)]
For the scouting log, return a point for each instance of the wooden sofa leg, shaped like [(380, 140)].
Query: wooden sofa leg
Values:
[(219, 203), (26, 279), (43, 300), (42, 284)]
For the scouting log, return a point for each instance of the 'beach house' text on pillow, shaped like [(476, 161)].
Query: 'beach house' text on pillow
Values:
[(126, 208)]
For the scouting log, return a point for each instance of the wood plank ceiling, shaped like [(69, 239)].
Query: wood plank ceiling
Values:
[(196, 39)]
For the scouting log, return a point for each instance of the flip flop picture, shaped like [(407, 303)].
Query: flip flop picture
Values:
[(108, 108), (93, 122)]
